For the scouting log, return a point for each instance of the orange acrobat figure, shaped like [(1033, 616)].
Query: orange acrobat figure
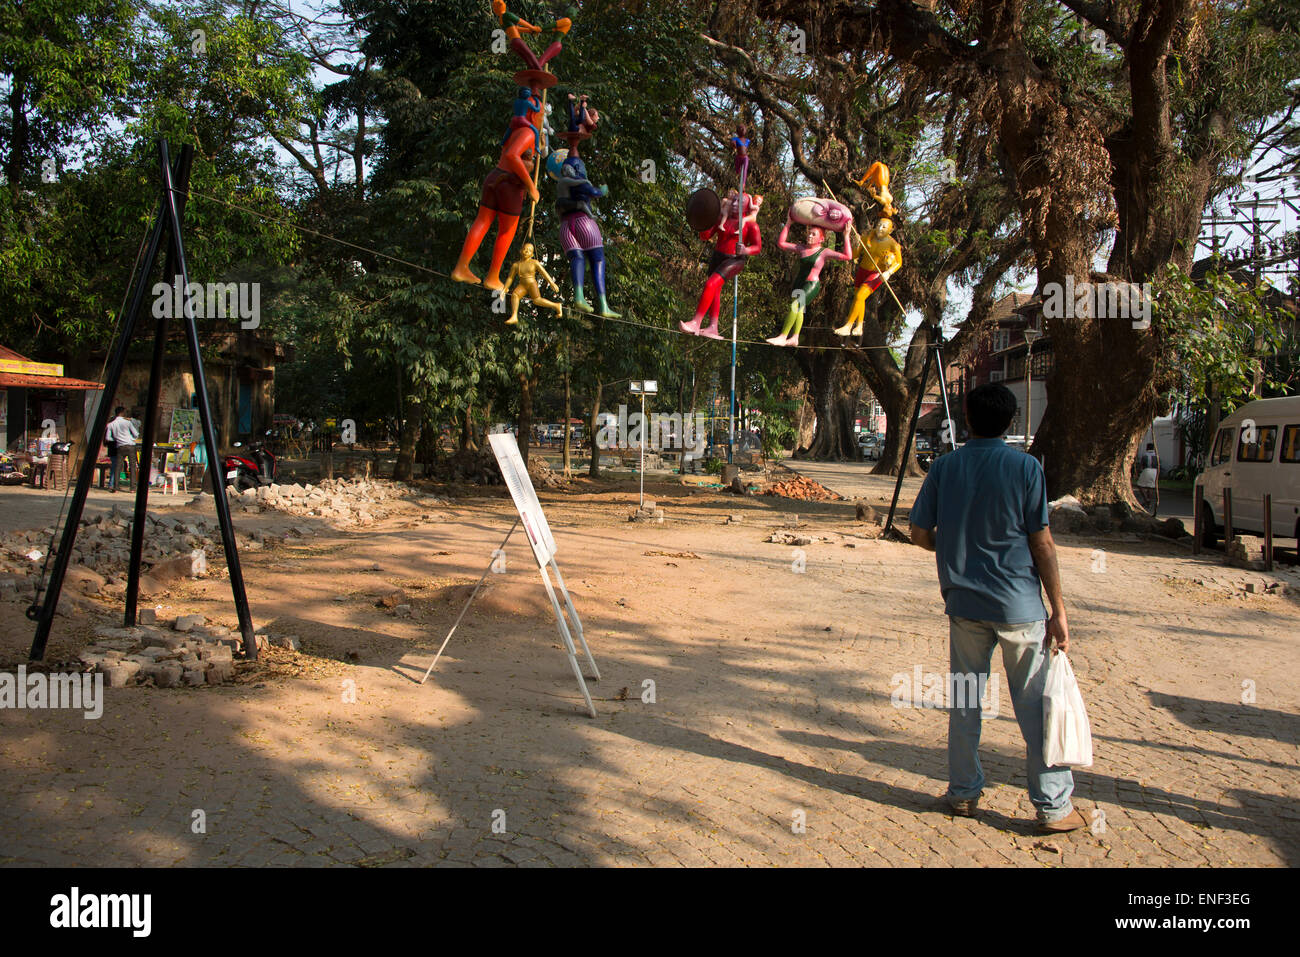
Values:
[(502, 202), (506, 186)]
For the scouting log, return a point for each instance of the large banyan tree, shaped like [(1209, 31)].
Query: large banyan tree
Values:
[(1118, 121)]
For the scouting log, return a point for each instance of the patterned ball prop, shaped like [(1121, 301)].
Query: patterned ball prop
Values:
[(703, 209)]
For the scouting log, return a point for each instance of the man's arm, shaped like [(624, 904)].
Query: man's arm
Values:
[(1043, 550), (924, 537)]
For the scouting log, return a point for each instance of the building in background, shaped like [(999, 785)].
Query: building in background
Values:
[(39, 403)]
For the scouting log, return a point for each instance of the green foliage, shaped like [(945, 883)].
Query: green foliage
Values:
[(1214, 335), (68, 244), (776, 416)]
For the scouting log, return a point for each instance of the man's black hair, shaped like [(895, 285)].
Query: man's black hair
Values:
[(989, 410), (119, 410)]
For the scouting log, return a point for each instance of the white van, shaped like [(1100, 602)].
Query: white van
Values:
[(1255, 451)]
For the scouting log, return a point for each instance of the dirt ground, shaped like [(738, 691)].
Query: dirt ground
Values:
[(744, 706)]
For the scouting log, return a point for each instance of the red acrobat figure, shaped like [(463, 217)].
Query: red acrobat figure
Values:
[(736, 242)]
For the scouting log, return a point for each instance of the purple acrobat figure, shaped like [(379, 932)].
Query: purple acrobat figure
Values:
[(579, 232)]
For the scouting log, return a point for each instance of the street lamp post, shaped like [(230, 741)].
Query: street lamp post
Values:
[(643, 388), (1031, 335)]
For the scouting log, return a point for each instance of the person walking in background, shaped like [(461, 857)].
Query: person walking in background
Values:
[(1148, 480), (121, 436), (983, 510)]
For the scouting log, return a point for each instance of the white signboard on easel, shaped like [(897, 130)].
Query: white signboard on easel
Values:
[(516, 477), (517, 480)]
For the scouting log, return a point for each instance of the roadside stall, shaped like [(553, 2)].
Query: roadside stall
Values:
[(41, 412)]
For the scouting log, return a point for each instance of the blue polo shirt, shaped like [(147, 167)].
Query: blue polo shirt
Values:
[(983, 501)]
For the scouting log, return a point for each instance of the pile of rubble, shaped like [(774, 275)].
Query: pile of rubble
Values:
[(1068, 516), (188, 653), (803, 489), (1282, 581), (543, 475), (355, 501), (474, 467), (173, 548), (647, 511)]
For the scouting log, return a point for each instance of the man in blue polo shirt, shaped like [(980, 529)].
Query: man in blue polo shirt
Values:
[(983, 510)]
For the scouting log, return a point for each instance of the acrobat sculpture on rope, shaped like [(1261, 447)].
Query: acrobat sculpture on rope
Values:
[(879, 255), (818, 216), (506, 186), (738, 238), (579, 231)]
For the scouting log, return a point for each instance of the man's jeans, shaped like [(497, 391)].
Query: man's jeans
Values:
[(970, 651), (123, 454)]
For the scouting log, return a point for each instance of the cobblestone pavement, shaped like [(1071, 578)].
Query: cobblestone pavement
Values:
[(771, 738)]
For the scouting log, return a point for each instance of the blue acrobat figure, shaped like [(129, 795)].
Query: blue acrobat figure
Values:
[(579, 232)]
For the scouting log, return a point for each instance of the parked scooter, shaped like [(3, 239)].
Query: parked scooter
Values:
[(249, 468)]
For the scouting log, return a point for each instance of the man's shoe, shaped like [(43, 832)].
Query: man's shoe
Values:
[(1071, 822), (962, 807)]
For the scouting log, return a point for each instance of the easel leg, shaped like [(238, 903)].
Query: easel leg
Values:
[(577, 623), (468, 601), (568, 641)]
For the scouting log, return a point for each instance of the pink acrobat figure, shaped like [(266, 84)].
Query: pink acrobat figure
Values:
[(812, 257), (737, 239)]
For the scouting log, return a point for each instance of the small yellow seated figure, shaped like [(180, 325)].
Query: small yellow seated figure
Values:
[(879, 257), (527, 269)]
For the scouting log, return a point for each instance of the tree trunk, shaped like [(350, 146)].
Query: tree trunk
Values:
[(408, 440), (834, 387), (899, 403), (467, 430), (593, 469), (16, 161), (527, 388)]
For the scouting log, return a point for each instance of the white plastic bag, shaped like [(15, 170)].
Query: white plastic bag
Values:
[(1067, 738)]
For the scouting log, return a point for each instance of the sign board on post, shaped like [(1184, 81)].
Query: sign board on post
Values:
[(516, 477)]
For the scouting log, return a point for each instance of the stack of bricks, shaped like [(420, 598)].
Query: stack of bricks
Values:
[(189, 654)]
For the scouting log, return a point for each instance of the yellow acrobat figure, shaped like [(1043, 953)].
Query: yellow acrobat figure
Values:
[(876, 183), (879, 257), (527, 269)]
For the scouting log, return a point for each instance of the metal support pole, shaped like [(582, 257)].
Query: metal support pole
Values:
[(943, 390), (205, 417), (43, 614), (182, 178), (735, 321), (907, 448), (641, 504)]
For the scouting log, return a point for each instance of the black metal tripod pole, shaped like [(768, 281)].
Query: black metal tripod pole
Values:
[(205, 417), (911, 436), (44, 613), (150, 427)]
